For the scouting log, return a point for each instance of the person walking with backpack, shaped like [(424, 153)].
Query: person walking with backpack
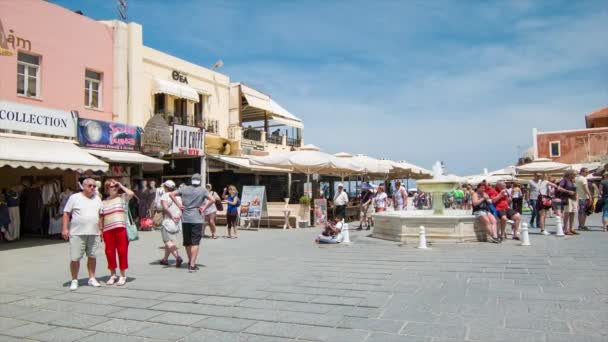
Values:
[(171, 224)]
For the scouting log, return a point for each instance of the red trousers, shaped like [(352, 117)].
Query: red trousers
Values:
[(116, 241)]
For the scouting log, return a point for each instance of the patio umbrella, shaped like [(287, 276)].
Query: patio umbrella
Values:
[(308, 162), (398, 170), (417, 172), (542, 165)]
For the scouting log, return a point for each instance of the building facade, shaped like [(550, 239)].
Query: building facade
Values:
[(578, 145)]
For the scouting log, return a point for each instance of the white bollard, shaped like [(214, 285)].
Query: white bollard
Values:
[(560, 226), (422, 241), (345, 233), (525, 238)]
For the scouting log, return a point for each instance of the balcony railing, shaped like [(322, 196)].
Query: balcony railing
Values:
[(274, 139), (252, 134), (293, 142), (212, 126)]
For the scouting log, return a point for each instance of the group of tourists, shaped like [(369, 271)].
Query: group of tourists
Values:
[(89, 220), (567, 198)]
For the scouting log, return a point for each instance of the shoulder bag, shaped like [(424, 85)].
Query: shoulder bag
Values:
[(218, 202), (132, 233)]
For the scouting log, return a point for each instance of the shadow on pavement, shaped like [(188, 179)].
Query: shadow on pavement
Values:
[(28, 243)]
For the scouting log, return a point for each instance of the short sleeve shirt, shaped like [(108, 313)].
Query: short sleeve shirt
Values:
[(534, 189), (581, 185), (85, 214), (501, 204), (192, 199)]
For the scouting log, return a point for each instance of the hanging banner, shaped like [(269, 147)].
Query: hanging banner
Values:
[(320, 212), (34, 119), (108, 135), (188, 140), (254, 198)]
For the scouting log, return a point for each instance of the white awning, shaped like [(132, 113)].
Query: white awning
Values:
[(245, 164), (183, 91), (41, 153), (259, 104), (125, 157)]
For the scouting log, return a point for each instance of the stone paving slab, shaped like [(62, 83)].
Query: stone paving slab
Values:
[(377, 290)]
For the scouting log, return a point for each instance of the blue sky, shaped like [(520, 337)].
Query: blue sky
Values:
[(459, 81)]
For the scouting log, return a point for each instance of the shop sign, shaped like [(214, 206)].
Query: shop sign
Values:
[(179, 76), (108, 135), (11, 41), (32, 119), (156, 138), (188, 140)]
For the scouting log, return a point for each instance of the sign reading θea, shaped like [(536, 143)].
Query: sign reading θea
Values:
[(32, 119), (179, 76), (188, 140)]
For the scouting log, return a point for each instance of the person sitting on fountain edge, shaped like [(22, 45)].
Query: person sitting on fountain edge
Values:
[(481, 209), (501, 200), (332, 232)]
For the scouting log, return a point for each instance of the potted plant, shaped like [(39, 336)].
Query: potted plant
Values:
[(304, 210)]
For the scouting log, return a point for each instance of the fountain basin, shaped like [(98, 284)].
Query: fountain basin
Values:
[(452, 226)]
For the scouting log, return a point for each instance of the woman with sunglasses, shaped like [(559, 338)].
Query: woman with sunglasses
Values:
[(113, 223)]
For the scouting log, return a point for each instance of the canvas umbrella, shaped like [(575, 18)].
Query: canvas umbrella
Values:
[(308, 162), (370, 166), (417, 172), (542, 165)]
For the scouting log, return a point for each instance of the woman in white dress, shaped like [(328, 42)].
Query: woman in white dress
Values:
[(171, 225)]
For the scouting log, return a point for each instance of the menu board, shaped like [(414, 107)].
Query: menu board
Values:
[(254, 200)]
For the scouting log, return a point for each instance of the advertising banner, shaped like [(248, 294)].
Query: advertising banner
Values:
[(254, 199), (33, 119), (188, 140), (108, 135), (320, 212)]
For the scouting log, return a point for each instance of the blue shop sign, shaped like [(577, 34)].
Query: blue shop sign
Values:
[(108, 135)]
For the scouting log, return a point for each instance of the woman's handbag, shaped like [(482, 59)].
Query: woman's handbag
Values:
[(157, 220), (132, 233), (146, 223), (218, 202), (547, 202), (599, 206)]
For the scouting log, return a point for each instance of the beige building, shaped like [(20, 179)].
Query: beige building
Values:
[(150, 82)]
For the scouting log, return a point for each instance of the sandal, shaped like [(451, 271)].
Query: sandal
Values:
[(111, 281), (214, 237)]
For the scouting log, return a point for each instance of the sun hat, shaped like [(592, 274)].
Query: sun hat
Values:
[(169, 184), (340, 185)]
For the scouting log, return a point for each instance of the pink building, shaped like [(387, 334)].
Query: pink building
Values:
[(54, 58)]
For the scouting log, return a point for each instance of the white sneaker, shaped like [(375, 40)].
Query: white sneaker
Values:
[(545, 232), (510, 222), (93, 282), (74, 285), (121, 281)]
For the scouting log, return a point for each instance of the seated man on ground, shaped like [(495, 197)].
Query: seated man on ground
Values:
[(501, 200), (332, 232)]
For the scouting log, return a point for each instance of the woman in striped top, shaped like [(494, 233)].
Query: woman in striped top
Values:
[(113, 224)]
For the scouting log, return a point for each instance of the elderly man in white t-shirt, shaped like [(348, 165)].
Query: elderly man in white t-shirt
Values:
[(340, 202), (81, 228)]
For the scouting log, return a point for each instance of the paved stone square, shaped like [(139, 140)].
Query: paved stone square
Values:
[(275, 285)]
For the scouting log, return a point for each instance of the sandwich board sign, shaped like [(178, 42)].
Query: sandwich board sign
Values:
[(253, 204)]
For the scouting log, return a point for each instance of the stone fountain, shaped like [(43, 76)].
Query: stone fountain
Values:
[(441, 224)]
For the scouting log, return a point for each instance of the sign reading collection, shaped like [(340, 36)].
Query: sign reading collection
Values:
[(32, 119), (188, 140)]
